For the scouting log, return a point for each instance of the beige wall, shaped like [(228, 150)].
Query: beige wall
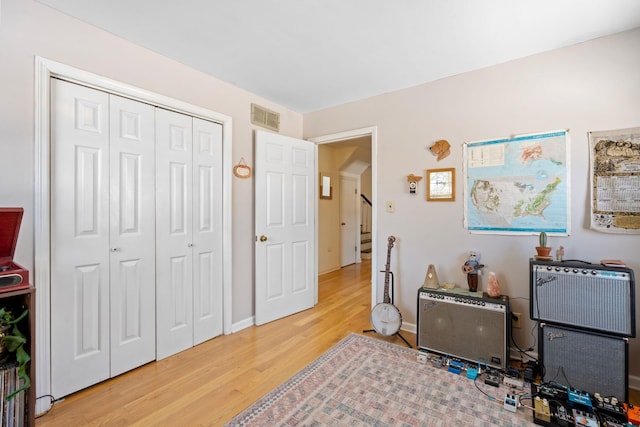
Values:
[(329, 213), (590, 86), (28, 29)]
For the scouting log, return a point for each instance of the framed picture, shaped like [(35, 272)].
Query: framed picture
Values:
[(441, 185), (326, 190)]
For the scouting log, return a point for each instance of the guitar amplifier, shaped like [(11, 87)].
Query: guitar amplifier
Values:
[(460, 325), (588, 296), (584, 360)]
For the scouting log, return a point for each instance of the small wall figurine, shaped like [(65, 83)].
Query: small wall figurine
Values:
[(560, 253), (413, 183), (441, 148), (493, 286), (472, 267)]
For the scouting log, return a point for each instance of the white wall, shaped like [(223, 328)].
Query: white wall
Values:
[(28, 29), (590, 86)]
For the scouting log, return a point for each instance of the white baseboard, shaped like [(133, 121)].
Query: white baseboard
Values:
[(634, 382), (243, 324), (409, 327)]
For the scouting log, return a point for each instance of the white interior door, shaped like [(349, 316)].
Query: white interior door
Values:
[(285, 247), (207, 230), (174, 238), (132, 236), (348, 220), (79, 237)]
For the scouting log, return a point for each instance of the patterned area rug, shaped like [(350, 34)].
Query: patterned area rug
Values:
[(364, 381)]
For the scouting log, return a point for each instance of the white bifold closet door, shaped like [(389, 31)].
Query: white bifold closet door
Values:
[(136, 234), (189, 232), (102, 236)]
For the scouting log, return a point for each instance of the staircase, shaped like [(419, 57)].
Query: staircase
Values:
[(365, 245), (365, 228)]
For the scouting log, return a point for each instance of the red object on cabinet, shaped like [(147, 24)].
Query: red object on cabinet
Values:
[(12, 275)]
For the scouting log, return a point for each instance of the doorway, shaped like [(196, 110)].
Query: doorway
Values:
[(356, 153)]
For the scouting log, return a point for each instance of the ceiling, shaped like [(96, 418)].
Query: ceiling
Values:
[(308, 55)]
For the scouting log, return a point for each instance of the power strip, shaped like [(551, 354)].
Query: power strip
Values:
[(513, 382)]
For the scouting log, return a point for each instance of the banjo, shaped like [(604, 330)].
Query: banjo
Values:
[(385, 317)]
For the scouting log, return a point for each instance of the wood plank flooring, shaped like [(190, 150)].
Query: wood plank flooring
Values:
[(209, 384)]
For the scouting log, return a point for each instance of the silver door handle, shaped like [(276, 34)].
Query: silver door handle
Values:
[(115, 249), (189, 245)]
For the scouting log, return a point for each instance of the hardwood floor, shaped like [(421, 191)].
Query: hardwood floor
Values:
[(209, 384)]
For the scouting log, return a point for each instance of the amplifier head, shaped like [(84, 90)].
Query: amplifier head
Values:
[(589, 296)]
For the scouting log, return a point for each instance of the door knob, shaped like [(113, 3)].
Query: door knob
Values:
[(263, 238), (344, 223)]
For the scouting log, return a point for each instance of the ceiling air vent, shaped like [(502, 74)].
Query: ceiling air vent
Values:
[(264, 117)]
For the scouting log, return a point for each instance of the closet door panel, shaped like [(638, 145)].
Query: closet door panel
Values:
[(132, 238), (174, 223), (207, 231), (79, 237)]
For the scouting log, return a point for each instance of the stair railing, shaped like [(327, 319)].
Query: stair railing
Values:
[(365, 212)]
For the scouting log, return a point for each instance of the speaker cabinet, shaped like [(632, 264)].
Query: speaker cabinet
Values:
[(583, 360), (475, 329), (585, 296)]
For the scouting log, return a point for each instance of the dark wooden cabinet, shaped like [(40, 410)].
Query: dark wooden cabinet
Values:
[(18, 300)]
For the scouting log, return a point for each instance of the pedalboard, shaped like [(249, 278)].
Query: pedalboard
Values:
[(551, 392), (557, 405)]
